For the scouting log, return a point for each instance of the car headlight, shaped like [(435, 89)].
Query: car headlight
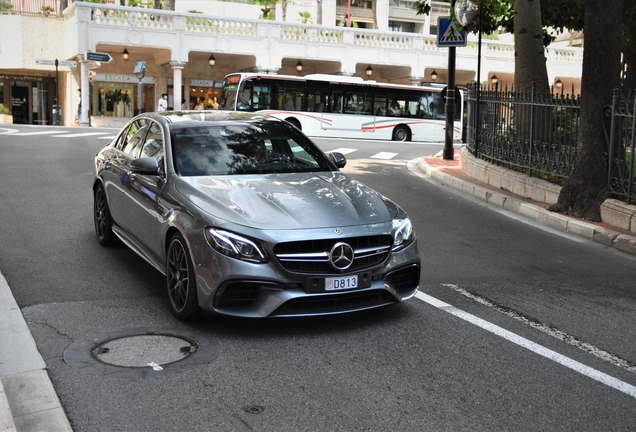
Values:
[(403, 233), (234, 245)]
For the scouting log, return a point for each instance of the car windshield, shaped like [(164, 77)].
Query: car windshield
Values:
[(244, 148)]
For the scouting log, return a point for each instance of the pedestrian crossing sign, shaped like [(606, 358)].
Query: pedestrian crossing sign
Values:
[(448, 35)]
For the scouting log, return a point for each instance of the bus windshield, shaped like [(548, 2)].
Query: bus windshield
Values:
[(229, 92)]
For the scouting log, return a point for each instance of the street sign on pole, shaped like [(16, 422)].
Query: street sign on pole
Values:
[(448, 35), (67, 63), (98, 57)]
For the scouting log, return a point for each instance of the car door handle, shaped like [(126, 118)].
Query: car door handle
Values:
[(107, 163)]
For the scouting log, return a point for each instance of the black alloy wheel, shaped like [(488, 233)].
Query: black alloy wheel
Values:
[(180, 280), (103, 221)]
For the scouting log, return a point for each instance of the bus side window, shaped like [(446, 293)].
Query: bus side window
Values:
[(379, 105), (336, 102), (289, 103)]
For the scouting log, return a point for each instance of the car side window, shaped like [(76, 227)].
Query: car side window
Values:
[(122, 139), (135, 138), (153, 145)]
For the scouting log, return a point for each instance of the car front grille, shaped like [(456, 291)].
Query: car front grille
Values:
[(335, 303), (312, 256)]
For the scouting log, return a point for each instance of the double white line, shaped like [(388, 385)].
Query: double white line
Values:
[(534, 347)]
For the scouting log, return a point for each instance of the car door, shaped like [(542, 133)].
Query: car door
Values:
[(148, 210), (119, 180), (116, 166)]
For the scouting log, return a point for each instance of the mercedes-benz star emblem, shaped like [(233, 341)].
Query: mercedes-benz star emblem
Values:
[(341, 256)]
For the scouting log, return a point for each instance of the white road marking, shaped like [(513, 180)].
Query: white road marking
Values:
[(534, 347), (5, 131), (555, 333), (75, 135), (48, 132), (107, 137), (384, 155), (344, 150)]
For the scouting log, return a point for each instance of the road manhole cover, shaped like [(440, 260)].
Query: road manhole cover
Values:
[(142, 352), (145, 350)]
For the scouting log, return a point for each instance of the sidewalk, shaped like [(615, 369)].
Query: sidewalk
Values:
[(28, 402), (531, 197)]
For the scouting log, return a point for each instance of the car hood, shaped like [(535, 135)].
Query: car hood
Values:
[(288, 201)]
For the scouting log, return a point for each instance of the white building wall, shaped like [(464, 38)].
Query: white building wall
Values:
[(167, 40)]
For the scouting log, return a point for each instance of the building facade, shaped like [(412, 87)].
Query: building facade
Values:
[(187, 54)]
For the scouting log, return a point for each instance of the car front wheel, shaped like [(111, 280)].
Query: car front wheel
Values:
[(103, 221), (180, 280)]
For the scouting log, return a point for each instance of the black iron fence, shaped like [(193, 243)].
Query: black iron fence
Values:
[(537, 134), (621, 119), (524, 131)]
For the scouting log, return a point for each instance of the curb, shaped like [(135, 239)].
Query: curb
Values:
[(605, 236), (28, 401)]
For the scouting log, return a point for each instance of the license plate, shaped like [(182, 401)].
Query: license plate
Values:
[(341, 283)]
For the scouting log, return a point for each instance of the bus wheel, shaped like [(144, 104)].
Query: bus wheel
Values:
[(401, 133), (294, 122)]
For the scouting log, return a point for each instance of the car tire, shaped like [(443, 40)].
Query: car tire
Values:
[(401, 133), (103, 220), (181, 280)]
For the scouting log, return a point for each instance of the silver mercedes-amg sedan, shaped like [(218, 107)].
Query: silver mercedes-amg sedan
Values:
[(246, 216)]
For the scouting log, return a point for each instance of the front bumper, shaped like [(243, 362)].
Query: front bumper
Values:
[(232, 287)]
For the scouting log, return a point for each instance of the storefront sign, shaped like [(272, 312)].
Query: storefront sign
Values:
[(123, 78), (21, 77), (201, 83)]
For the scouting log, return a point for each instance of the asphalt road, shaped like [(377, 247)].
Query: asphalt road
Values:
[(516, 328)]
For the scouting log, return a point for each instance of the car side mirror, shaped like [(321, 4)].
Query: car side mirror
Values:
[(338, 159), (145, 165)]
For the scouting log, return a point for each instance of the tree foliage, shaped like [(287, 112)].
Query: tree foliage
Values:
[(498, 15)]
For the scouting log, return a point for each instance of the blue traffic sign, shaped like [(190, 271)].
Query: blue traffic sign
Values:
[(448, 35)]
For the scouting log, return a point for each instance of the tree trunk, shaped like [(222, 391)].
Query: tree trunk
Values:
[(168, 5), (586, 189), (319, 12), (157, 4), (530, 63), (629, 50)]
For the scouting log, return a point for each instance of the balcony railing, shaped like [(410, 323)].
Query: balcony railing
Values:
[(30, 7)]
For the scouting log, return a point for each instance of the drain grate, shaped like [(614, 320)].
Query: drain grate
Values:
[(144, 350)]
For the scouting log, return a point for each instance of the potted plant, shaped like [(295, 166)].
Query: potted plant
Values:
[(5, 115), (5, 7), (46, 10)]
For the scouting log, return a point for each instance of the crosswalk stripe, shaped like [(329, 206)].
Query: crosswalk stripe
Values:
[(344, 150), (107, 137), (79, 135), (384, 155), (48, 132)]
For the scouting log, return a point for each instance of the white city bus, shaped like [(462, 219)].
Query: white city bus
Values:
[(344, 107)]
